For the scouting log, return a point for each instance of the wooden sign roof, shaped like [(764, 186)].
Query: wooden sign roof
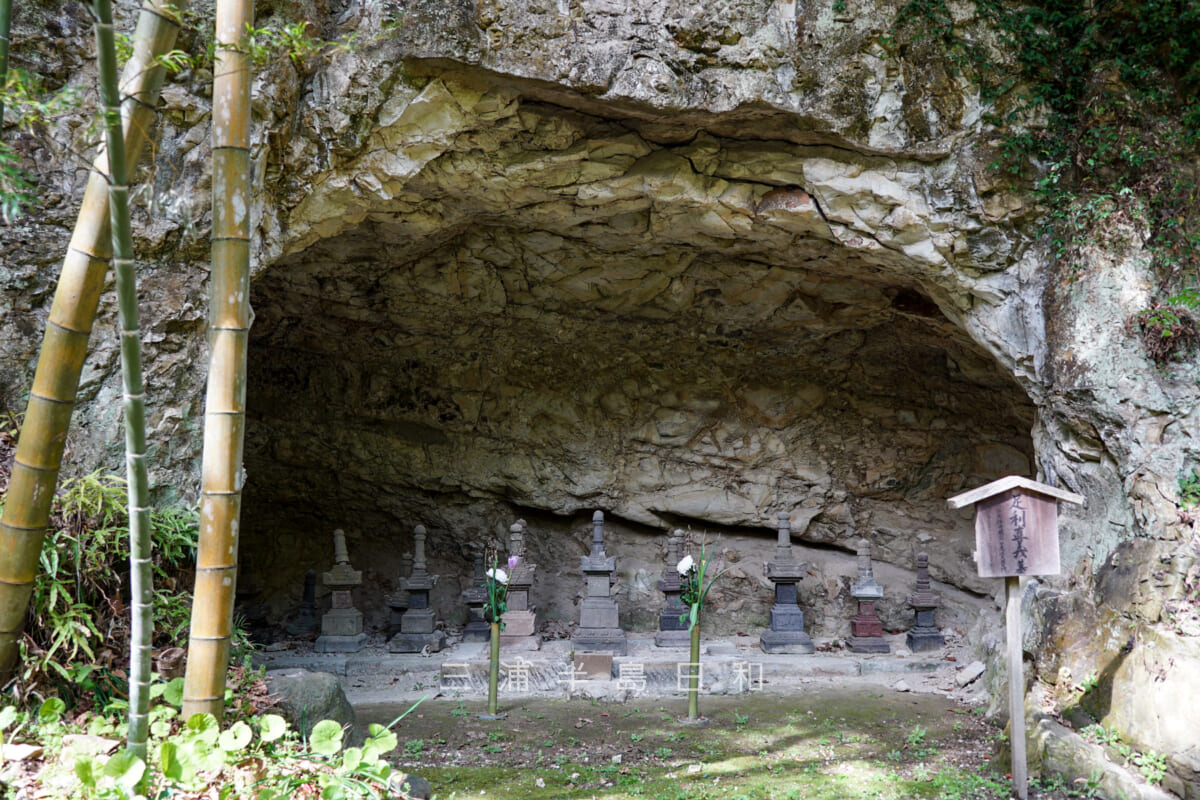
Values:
[(1012, 482)]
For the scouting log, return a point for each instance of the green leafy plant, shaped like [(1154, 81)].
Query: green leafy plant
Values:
[(77, 628), (1189, 490), (1153, 766)]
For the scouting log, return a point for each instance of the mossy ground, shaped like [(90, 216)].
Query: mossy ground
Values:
[(865, 743)]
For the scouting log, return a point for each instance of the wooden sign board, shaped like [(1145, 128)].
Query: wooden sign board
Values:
[(1016, 526), (1016, 533)]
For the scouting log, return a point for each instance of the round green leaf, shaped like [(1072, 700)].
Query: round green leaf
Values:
[(351, 758), (236, 738), (173, 693), (205, 728), (51, 709), (125, 769), (271, 727), (8, 715), (326, 737)]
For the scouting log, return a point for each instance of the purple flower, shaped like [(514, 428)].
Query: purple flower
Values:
[(512, 562)]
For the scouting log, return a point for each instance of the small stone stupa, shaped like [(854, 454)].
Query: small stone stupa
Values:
[(474, 597), (342, 626), (786, 633), (397, 601), (866, 630), (599, 623), (924, 636), (520, 620), (417, 624), (672, 624)]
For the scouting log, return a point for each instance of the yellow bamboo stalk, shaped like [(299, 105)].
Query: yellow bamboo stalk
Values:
[(52, 398), (225, 402)]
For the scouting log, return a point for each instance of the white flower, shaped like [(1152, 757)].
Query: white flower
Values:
[(498, 575), (685, 566)]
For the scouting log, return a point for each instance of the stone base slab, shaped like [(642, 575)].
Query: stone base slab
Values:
[(477, 632), (673, 639), (787, 642), (923, 641), (519, 643), (416, 642), (604, 640), (340, 644), (868, 644)]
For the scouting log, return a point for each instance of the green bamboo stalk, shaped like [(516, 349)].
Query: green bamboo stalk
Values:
[(5, 24), (225, 404), (141, 588), (694, 675), (52, 397), (493, 706)]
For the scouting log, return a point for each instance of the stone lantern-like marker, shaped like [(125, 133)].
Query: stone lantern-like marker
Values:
[(599, 623), (342, 626), (866, 629), (474, 597), (397, 601), (672, 620), (786, 634), (924, 636), (520, 620), (1016, 535), (417, 623)]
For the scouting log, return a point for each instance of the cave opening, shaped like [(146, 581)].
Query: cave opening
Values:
[(580, 318)]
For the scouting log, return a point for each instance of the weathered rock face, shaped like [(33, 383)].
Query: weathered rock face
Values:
[(691, 266)]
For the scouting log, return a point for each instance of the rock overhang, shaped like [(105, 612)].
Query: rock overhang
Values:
[(503, 303)]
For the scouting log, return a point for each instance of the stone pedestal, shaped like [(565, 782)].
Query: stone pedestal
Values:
[(475, 598), (599, 625), (417, 624), (672, 630), (342, 627), (924, 636), (306, 621), (397, 601), (786, 632), (866, 631), (520, 619)]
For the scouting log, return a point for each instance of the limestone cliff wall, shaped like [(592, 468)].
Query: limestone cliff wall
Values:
[(693, 266)]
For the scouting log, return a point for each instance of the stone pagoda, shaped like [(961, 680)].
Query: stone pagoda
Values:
[(417, 632), (786, 632), (924, 636), (672, 621), (520, 620), (599, 626), (866, 631), (397, 601), (474, 597), (342, 626)]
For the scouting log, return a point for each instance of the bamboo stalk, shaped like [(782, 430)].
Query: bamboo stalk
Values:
[(52, 398), (225, 404), (694, 675), (5, 25), (494, 671), (140, 582)]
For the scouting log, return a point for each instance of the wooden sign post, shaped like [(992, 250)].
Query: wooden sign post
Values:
[(1016, 534)]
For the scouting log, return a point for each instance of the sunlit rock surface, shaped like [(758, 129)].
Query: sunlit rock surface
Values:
[(691, 266)]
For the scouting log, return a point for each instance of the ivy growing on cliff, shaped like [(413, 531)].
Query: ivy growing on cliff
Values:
[(1117, 83)]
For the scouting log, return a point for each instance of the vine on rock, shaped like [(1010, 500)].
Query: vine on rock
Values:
[(1102, 119)]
